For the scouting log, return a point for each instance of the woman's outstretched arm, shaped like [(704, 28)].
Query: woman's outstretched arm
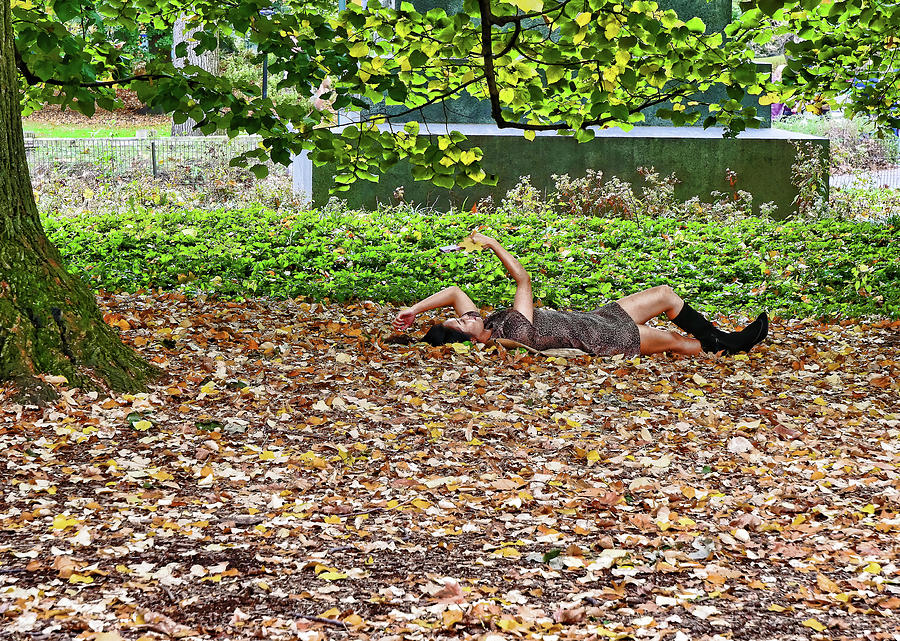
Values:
[(452, 295), (524, 299)]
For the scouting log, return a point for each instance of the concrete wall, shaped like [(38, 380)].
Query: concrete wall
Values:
[(762, 160)]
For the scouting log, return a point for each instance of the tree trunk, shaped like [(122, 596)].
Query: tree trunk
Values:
[(49, 319), (208, 61)]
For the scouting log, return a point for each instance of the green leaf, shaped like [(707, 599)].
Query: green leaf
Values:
[(555, 73), (695, 25), (552, 554), (66, 10), (446, 182)]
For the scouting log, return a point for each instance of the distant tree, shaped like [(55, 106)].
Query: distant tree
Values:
[(184, 53)]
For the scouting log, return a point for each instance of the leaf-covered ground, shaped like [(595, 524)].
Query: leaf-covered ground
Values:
[(294, 477)]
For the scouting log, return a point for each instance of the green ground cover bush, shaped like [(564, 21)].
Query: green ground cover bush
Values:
[(823, 267)]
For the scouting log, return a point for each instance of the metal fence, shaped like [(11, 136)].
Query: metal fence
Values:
[(868, 162), (188, 159)]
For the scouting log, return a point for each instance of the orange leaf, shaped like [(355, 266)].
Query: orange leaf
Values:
[(827, 585), (451, 617)]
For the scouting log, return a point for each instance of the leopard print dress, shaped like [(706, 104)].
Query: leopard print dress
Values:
[(602, 332)]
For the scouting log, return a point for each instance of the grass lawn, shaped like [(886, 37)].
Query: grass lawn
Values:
[(80, 130)]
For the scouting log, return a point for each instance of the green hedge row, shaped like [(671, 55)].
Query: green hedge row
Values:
[(824, 268)]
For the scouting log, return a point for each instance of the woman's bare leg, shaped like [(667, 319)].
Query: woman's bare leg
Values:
[(652, 302), (654, 341)]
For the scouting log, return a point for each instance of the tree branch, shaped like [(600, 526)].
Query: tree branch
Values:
[(484, 8), (512, 41), (31, 78)]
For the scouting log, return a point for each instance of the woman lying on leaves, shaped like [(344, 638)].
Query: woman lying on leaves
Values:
[(615, 328)]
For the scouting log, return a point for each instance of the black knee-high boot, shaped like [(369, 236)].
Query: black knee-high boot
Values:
[(713, 339)]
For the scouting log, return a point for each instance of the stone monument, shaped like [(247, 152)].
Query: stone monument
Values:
[(762, 159)]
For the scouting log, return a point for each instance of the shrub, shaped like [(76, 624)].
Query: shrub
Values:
[(825, 267)]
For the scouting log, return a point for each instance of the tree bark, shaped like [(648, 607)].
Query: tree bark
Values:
[(50, 322), (208, 61)]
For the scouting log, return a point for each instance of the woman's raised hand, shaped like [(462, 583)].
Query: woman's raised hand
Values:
[(481, 239), (404, 319)]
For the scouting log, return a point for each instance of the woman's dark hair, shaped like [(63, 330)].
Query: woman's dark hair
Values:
[(441, 335)]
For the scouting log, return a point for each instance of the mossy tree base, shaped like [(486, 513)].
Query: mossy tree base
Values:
[(50, 324)]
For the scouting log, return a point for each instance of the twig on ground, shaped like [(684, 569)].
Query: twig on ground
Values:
[(311, 617)]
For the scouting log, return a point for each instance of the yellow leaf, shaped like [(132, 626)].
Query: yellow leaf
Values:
[(873, 568), (529, 134), (508, 553), (460, 348), (332, 576), (162, 475), (359, 50), (508, 624), (61, 522), (80, 578), (777, 608), (422, 504), (332, 520), (355, 620), (612, 30), (582, 19), (469, 245), (266, 455), (869, 509), (142, 426), (529, 5), (815, 625)]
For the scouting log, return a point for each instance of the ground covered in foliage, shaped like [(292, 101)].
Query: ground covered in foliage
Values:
[(817, 268), (292, 476)]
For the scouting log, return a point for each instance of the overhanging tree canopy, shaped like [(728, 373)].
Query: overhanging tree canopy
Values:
[(560, 65)]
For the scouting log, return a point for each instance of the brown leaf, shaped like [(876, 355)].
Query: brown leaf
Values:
[(607, 499), (159, 622), (789, 551), (65, 565), (569, 615), (450, 593)]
